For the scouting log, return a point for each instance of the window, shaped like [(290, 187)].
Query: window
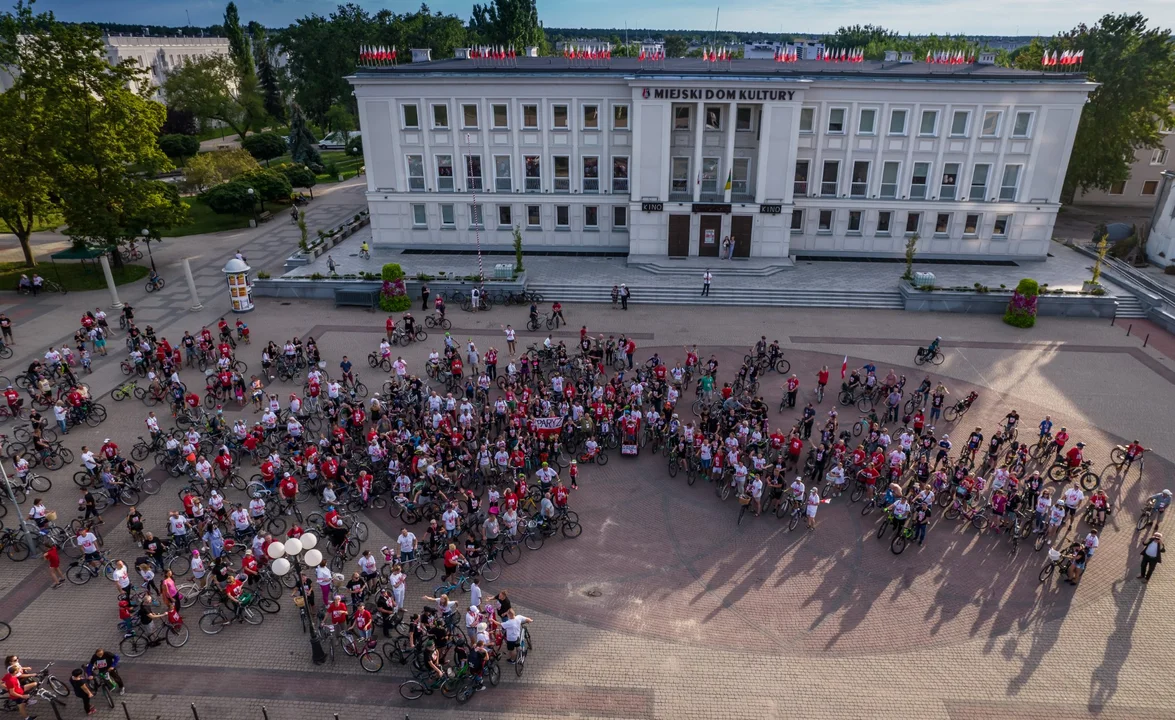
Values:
[(440, 117), (971, 226), (619, 216), (710, 175), (859, 182), (591, 216), (897, 122), (501, 117), (473, 172), (419, 218), (836, 121), (411, 117), (1150, 187), (855, 222), (740, 174), (825, 221), (1117, 188), (713, 118), (504, 219), (681, 117), (1023, 125), (884, 218), (929, 124), (591, 174), (1001, 226), (807, 120), (913, 220), (830, 178), (448, 219), (416, 173), (620, 174), (743, 117), (559, 116), (979, 175), (534, 177), (562, 216), (591, 117), (797, 220), (679, 182), (991, 123), (889, 179), (950, 181), (1011, 183), (502, 182), (445, 173), (562, 173), (530, 117), (867, 122), (619, 117), (942, 224), (476, 219), (1159, 156), (533, 216), (918, 181), (469, 116), (801, 179), (959, 122)]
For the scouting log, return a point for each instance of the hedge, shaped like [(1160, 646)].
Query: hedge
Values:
[(1021, 310)]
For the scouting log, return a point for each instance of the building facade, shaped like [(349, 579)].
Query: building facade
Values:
[(160, 55), (670, 158), (1143, 186)]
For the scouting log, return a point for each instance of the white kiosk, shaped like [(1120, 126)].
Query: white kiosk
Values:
[(240, 292)]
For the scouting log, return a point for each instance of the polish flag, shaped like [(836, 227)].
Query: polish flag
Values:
[(844, 367)]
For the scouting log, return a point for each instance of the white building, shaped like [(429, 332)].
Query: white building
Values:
[(160, 55), (806, 158)]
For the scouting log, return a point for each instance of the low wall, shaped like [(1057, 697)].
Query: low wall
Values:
[(996, 302), (306, 289)]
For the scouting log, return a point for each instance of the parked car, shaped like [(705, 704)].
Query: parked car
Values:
[(337, 140)]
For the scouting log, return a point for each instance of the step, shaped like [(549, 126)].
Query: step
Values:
[(761, 297), (1129, 308)]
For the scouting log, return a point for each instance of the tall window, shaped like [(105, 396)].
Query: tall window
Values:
[(448, 216), (619, 174), (591, 174), (445, 173), (801, 179), (591, 117), (619, 117), (562, 216), (918, 181), (411, 117), (419, 217), (415, 173), (559, 116), (1023, 125), (929, 124), (884, 219), (859, 182), (591, 217), (854, 222), (950, 181), (679, 182), (979, 175), (619, 216), (533, 216), (710, 175), (991, 123), (807, 120), (897, 122), (473, 172), (469, 116), (1010, 183), (534, 175), (530, 117), (713, 117), (889, 179), (502, 174), (504, 216), (476, 219), (830, 178), (562, 173), (836, 121), (824, 221), (797, 219), (971, 225), (743, 117), (959, 121), (681, 117), (501, 117), (440, 117), (913, 220), (740, 175), (1001, 226), (868, 122), (942, 224)]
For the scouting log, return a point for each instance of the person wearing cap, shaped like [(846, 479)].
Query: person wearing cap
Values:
[(1158, 503), (1152, 554), (1075, 456), (625, 293)]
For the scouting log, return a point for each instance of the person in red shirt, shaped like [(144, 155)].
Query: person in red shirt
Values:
[(390, 326), (337, 612), (869, 475), (226, 350), (453, 559), (560, 494), (249, 566), (822, 378), (795, 446), (793, 387), (13, 398), (289, 489), (1075, 456), (206, 334), (224, 463), (109, 450), (334, 526), (362, 622), (919, 422), (660, 371), (268, 472), (189, 500), (457, 367)]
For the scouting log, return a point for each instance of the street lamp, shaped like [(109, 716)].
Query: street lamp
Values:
[(252, 206), (288, 556), (147, 241)]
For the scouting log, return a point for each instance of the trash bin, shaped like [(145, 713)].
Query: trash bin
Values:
[(504, 271)]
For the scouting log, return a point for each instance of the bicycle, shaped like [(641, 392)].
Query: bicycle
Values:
[(138, 643), (414, 689), (216, 619), (524, 646), (1056, 560), (81, 572), (921, 357), (48, 689), (1120, 462), (1060, 471), (901, 539), (538, 321), (436, 320), (153, 285)]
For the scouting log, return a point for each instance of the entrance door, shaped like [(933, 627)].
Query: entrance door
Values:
[(740, 233), (679, 236), (709, 235)]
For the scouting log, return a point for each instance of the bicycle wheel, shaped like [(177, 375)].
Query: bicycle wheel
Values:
[(950, 414), (782, 366), (466, 690), (252, 615), (491, 570), (533, 540), (794, 521), (268, 606), (371, 661), (177, 637), (18, 551), (78, 574), (1090, 481), (150, 485), (1047, 571), (898, 544), (1144, 519), (211, 622), (179, 565), (106, 694), (5, 630), (510, 554), (128, 496), (40, 483), (865, 403), (938, 358), (520, 663), (411, 690), (1057, 473), (980, 521)]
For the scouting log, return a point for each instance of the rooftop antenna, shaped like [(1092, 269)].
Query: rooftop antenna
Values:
[(626, 37), (714, 37), (189, 17)]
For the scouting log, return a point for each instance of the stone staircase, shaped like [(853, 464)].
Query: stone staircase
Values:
[(1129, 308), (746, 297), (694, 267)]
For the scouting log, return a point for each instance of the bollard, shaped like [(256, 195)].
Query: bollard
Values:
[(1129, 328), (1112, 320), (1148, 339), (56, 713), (263, 713), (126, 712), (195, 714)]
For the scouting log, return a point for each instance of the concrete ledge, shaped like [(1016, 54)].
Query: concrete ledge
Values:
[(306, 289), (996, 302)]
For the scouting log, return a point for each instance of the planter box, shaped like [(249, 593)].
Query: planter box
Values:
[(996, 302), (309, 289), (446, 286)]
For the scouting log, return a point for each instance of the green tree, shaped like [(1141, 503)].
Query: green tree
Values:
[(339, 119), (301, 140), (229, 198), (299, 176), (265, 146), (210, 169), (355, 146), (676, 46), (508, 22), (267, 76), (240, 50), (268, 185), (178, 147), (858, 36), (179, 122), (211, 89)]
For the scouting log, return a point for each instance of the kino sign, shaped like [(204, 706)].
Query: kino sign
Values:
[(719, 94)]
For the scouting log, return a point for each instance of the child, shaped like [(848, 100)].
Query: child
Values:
[(81, 688), (125, 616), (86, 360)]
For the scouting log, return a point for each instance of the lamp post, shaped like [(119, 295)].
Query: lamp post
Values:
[(147, 241), (252, 207), (289, 556)]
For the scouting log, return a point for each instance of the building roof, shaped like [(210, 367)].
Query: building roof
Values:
[(744, 69)]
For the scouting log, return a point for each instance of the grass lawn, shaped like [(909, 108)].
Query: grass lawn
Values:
[(346, 165), (40, 224), (203, 220), (72, 274)]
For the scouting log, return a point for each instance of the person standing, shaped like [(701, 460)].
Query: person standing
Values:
[(1152, 555), (725, 248), (615, 295), (624, 293), (53, 560), (706, 278), (330, 264), (6, 327), (424, 293)]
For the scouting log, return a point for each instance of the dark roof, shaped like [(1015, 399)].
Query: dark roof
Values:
[(696, 68)]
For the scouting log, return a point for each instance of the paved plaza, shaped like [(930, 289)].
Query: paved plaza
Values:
[(664, 608)]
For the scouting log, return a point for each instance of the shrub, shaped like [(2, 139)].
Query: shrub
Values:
[(265, 146), (178, 147), (392, 272), (1169, 270), (299, 176), (1028, 287), (393, 296), (228, 198), (268, 184), (262, 275), (1021, 310), (355, 146)]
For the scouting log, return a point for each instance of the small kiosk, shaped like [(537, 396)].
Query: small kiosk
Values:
[(240, 292)]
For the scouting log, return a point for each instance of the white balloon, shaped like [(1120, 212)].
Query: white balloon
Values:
[(275, 549), (281, 566), (293, 546), (313, 557), (309, 540)]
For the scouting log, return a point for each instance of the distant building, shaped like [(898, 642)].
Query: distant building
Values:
[(160, 55), (1143, 186)]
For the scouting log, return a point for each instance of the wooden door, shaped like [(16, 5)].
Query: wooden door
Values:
[(679, 236), (740, 233), (709, 235)]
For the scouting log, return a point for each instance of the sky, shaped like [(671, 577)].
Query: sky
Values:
[(971, 17)]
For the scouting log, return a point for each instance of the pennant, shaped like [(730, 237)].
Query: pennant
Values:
[(844, 367)]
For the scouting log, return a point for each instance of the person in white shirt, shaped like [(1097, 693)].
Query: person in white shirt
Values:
[(1073, 498), (240, 518), (512, 625), (407, 543), (813, 505), (396, 581), (472, 618)]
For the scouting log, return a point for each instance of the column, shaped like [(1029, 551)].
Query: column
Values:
[(699, 124), (191, 285), (761, 160), (114, 301), (728, 158)]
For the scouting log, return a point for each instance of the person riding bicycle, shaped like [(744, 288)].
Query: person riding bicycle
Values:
[(930, 350), (1010, 421), (1046, 427), (1133, 451), (1075, 456), (761, 348), (1159, 502)]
